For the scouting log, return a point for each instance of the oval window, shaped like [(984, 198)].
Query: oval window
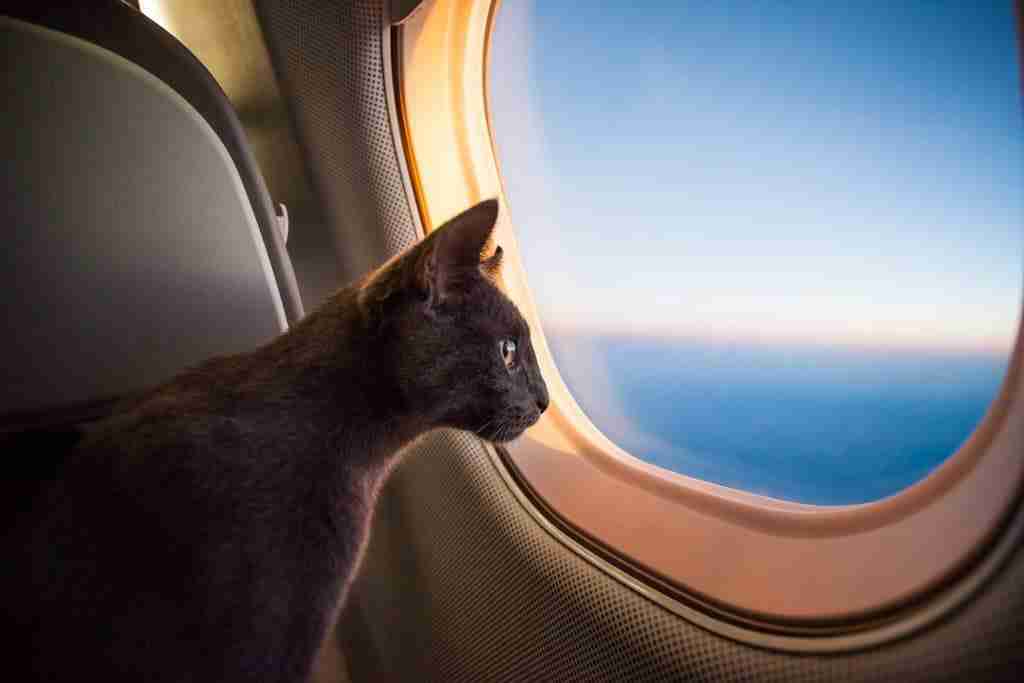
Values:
[(775, 247)]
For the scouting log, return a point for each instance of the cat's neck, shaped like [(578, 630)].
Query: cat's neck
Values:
[(332, 377)]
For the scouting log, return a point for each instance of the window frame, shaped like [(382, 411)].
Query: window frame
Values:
[(768, 566)]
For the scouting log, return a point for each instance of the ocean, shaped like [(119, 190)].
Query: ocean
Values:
[(813, 425)]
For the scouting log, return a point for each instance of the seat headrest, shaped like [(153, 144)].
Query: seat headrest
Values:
[(133, 249)]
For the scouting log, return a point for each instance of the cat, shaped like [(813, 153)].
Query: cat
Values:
[(210, 530)]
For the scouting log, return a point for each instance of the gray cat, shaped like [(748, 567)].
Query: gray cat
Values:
[(209, 530)]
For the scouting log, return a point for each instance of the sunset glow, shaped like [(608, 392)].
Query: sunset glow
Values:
[(776, 175)]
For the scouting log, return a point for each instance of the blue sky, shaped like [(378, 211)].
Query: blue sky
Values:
[(774, 172)]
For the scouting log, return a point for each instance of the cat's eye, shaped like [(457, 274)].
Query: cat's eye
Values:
[(507, 347)]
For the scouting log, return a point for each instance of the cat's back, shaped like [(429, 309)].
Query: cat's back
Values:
[(92, 534), (162, 549)]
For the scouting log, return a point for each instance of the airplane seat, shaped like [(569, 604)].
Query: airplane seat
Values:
[(127, 32), (140, 236)]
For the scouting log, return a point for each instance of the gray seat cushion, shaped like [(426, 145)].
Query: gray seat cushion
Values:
[(132, 247), (125, 31)]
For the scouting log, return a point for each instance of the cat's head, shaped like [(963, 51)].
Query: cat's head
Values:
[(461, 348)]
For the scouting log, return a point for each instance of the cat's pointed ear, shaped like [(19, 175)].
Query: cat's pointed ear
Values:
[(463, 238), (455, 247)]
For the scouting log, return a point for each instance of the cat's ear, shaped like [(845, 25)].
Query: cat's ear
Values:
[(454, 248), (462, 239)]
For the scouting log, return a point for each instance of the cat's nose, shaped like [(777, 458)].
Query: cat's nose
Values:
[(541, 397)]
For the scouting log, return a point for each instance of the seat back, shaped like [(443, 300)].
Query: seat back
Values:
[(133, 248), (127, 32)]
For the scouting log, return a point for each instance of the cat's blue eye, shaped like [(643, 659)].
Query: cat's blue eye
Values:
[(507, 348)]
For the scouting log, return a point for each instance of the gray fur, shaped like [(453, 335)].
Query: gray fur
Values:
[(209, 530)]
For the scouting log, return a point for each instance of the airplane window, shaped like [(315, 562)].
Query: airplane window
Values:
[(775, 246)]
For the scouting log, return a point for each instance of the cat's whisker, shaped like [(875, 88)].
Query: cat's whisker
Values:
[(479, 431), (506, 429)]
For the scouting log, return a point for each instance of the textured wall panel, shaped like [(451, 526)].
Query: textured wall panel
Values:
[(329, 59), (461, 584)]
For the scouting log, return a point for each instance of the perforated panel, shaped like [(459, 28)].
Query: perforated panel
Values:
[(329, 57), (461, 584)]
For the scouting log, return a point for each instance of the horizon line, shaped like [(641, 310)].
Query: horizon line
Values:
[(835, 343)]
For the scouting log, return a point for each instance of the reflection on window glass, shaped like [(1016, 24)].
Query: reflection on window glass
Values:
[(776, 246)]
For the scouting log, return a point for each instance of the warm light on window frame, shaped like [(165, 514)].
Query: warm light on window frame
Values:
[(788, 568)]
